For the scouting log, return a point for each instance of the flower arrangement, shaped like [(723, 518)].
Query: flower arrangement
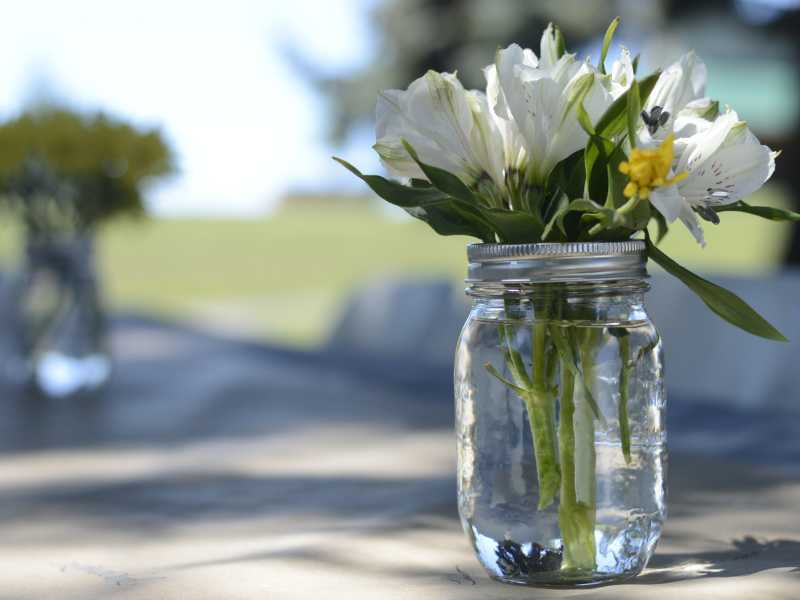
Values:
[(64, 172), (558, 149)]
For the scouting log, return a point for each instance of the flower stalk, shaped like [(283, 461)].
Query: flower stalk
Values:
[(575, 517), (624, 387)]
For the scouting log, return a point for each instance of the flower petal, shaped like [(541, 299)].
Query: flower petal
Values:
[(621, 73), (548, 48), (668, 202), (678, 85), (696, 149), (486, 140), (514, 154), (689, 218), (730, 174), (505, 62), (435, 116)]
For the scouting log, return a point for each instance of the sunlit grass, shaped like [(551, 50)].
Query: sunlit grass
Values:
[(285, 277)]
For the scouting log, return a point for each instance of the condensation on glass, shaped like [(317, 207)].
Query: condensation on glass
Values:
[(560, 407)]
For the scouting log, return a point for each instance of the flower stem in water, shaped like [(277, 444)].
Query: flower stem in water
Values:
[(624, 385), (576, 513)]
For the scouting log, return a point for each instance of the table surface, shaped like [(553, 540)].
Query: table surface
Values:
[(215, 469)]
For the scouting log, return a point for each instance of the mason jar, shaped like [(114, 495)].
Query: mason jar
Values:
[(61, 327), (560, 408)]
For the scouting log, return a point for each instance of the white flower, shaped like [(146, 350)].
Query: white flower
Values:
[(513, 151), (540, 96), (679, 85), (447, 126), (621, 75), (724, 163)]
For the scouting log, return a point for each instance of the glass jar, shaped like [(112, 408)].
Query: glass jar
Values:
[(560, 408), (61, 327)]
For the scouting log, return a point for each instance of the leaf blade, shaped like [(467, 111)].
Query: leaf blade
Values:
[(722, 302), (765, 212), (612, 27), (441, 179)]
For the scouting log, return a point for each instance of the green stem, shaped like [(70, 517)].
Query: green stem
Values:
[(540, 406), (584, 422), (624, 385), (576, 514), (541, 414)]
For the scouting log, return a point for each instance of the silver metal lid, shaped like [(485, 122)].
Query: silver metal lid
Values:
[(548, 263)]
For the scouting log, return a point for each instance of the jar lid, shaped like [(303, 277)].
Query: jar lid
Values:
[(571, 262)]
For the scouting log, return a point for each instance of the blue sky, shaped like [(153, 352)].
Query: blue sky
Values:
[(245, 127)]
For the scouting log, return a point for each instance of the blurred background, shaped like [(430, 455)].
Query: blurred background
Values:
[(282, 341), (255, 231)]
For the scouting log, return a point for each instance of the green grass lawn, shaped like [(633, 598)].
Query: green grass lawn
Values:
[(285, 277)]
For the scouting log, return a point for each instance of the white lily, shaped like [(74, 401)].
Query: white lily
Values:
[(541, 96), (679, 85), (723, 161), (513, 152), (448, 127), (621, 74)]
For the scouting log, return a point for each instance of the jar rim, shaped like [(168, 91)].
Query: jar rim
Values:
[(571, 262)]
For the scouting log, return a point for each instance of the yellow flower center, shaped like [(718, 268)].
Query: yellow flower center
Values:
[(649, 168)]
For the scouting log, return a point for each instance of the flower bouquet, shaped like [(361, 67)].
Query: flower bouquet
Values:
[(570, 174), (61, 175)]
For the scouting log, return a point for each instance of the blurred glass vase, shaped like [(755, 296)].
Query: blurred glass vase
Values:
[(62, 331), (560, 407)]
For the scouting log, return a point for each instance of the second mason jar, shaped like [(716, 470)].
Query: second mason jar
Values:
[(560, 404)]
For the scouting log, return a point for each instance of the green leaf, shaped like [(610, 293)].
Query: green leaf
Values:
[(395, 192), (615, 180), (614, 120), (513, 226), (586, 206), (634, 110), (446, 215), (635, 64), (723, 302), (561, 204), (567, 177), (765, 212), (662, 227), (612, 27), (577, 93), (496, 374), (596, 157), (441, 179), (584, 120)]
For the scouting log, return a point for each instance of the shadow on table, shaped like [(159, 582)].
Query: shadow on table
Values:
[(174, 384), (747, 557)]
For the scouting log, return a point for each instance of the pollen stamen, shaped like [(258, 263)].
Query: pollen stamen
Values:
[(648, 168)]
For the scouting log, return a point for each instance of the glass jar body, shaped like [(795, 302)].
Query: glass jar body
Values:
[(560, 408), (61, 326)]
